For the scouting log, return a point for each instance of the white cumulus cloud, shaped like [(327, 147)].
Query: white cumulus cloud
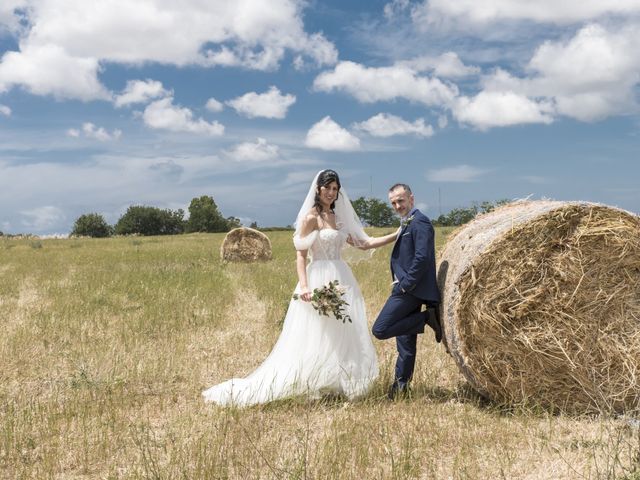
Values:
[(214, 105), (140, 91), (62, 46), (254, 152), (500, 109), (50, 70), (9, 20), (459, 173), (271, 104), (4, 110), (328, 135), (447, 65), (591, 76), (163, 114), (588, 77), (463, 12), (387, 125), (89, 130), (371, 84), (99, 133)]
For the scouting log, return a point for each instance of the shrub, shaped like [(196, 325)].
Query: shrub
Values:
[(92, 225), (145, 220), (204, 216)]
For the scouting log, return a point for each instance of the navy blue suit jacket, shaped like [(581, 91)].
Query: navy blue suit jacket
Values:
[(413, 259)]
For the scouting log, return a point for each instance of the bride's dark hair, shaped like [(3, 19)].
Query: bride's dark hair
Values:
[(325, 178)]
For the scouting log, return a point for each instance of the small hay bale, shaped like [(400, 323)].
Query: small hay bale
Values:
[(245, 245), (541, 304)]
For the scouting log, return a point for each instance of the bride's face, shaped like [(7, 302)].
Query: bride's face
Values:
[(329, 193)]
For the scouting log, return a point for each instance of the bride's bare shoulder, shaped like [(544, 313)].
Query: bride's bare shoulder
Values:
[(311, 216), (310, 221)]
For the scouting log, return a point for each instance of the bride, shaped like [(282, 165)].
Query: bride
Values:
[(315, 354)]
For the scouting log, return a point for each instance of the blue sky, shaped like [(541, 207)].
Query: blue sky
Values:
[(114, 103)]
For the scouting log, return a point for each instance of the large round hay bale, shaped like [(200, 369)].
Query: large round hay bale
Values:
[(245, 245), (541, 304)]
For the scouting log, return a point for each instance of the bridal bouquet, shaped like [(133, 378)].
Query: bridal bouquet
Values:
[(328, 299)]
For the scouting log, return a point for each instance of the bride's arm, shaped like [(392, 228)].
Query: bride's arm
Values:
[(374, 242), (301, 267), (310, 222)]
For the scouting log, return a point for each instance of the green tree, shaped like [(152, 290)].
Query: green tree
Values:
[(145, 220), (441, 221), (233, 222), (374, 212), (460, 216), (204, 216), (486, 207), (361, 207), (91, 225)]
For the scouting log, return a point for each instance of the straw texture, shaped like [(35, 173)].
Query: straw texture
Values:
[(245, 245), (541, 304)]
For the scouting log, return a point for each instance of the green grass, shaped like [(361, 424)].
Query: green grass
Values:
[(106, 345)]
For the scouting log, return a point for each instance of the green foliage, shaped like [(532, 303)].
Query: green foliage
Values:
[(373, 212), (204, 216), (233, 222), (288, 228), (145, 220), (457, 216), (92, 225), (328, 300), (460, 216)]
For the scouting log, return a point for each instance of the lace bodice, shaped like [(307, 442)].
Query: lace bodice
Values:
[(327, 245), (322, 244)]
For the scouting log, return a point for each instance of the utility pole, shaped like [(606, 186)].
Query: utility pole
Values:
[(371, 184), (439, 202)]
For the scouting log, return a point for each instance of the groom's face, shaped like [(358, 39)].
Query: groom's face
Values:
[(401, 201)]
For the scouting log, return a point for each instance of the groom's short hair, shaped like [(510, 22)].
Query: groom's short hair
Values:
[(403, 185)]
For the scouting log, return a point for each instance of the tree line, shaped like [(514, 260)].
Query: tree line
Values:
[(204, 216), (460, 216), (373, 212)]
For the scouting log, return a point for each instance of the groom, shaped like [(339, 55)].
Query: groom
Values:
[(413, 268)]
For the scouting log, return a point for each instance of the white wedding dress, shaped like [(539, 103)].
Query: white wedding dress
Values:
[(314, 354)]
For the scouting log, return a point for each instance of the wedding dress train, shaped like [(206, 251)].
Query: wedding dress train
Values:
[(314, 354)]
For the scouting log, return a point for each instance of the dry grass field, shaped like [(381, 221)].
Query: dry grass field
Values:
[(106, 344)]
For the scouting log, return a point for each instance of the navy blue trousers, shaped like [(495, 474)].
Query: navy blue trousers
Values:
[(401, 318)]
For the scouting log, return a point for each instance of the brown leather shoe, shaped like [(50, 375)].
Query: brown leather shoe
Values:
[(433, 321), (398, 390)]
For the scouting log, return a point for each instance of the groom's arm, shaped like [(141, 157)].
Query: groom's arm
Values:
[(374, 242), (423, 241)]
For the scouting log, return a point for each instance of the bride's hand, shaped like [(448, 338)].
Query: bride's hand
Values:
[(353, 243), (305, 295)]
